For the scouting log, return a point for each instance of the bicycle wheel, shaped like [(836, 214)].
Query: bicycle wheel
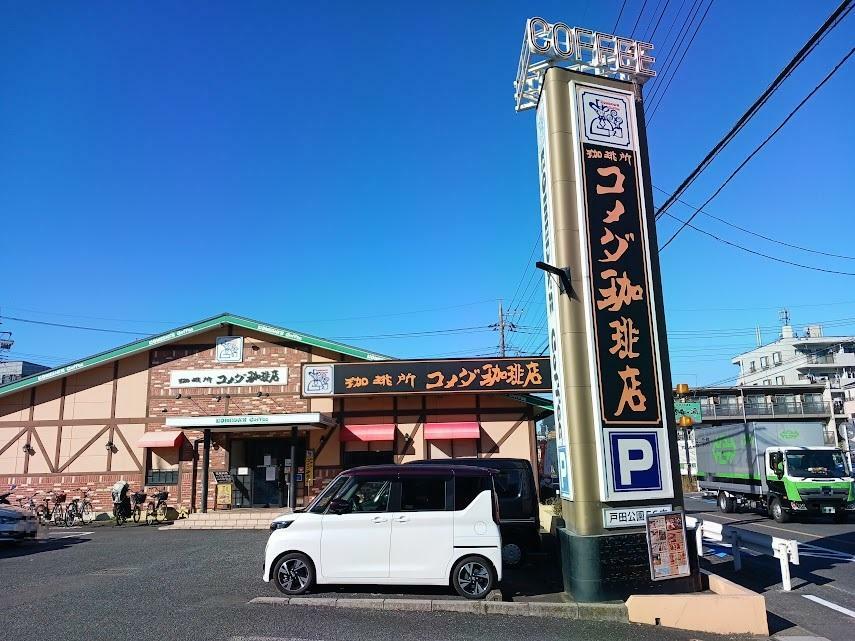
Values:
[(137, 513), (88, 513), (41, 514), (161, 512), (58, 515), (68, 519)]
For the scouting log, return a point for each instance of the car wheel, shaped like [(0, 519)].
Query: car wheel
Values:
[(776, 509), (473, 577), (294, 574), (725, 503)]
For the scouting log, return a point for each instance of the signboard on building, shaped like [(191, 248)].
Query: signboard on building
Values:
[(228, 377), (666, 545), (428, 377), (229, 349), (310, 467)]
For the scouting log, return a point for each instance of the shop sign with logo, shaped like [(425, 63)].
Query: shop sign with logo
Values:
[(428, 377), (228, 377), (229, 349), (625, 368)]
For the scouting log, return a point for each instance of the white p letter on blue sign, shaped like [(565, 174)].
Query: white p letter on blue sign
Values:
[(635, 461)]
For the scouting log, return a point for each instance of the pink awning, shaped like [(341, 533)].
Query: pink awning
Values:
[(365, 433), (439, 431), (161, 439)]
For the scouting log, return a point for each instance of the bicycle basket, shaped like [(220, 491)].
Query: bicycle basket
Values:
[(59, 497), (162, 496), (140, 497)]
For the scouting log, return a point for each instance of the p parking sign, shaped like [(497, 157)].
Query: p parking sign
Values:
[(634, 462)]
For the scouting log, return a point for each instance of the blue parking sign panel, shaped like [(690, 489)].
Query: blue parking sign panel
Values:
[(563, 473), (635, 463)]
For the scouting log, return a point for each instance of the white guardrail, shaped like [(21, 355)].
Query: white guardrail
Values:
[(785, 550)]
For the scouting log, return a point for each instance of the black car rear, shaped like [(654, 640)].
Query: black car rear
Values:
[(519, 517)]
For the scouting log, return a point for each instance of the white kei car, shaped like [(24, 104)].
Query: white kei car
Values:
[(392, 525)]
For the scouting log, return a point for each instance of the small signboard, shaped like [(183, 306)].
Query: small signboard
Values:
[(666, 546), (298, 477), (310, 467), (222, 476), (224, 495), (692, 409)]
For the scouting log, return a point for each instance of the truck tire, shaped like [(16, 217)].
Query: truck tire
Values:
[(776, 510), (725, 503)]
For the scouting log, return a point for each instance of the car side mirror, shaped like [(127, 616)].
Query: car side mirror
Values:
[(340, 506)]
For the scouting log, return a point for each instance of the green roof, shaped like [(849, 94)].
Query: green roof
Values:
[(203, 326), (183, 332)]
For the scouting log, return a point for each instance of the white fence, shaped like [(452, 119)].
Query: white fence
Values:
[(785, 550)]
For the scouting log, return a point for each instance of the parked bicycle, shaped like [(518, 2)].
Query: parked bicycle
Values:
[(55, 515), (156, 510), (81, 509), (28, 503), (137, 502)]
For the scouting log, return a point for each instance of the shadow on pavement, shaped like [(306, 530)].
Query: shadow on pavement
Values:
[(10, 550)]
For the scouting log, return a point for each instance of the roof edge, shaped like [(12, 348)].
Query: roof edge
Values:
[(192, 329)]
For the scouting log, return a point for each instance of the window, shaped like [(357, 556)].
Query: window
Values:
[(764, 362), (358, 459), (509, 484), (467, 488), (161, 477), (767, 381), (752, 367), (779, 380), (776, 358), (422, 494), (319, 505), (367, 495)]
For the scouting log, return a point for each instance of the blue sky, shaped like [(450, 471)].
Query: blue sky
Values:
[(358, 170)]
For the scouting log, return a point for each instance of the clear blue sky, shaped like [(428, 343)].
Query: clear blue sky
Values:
[(340, 168)]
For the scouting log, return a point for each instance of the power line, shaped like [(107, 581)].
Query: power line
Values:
[(91, 329), (677, 68), (678, 44), (620, 13), (656, 28), (754, 233), (791, 66), (757, 150), (638, 19)]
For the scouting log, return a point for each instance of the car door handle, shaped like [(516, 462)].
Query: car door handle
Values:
[(402, 519), (380, 519)]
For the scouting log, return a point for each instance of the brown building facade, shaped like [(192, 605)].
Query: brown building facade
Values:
[(225, 393)]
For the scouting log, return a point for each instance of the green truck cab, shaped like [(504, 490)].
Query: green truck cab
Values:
[(783, 469)]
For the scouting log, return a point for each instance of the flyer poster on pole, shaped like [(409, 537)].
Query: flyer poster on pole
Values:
[(666, 544)]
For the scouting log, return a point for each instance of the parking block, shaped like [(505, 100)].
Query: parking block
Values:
[(407, 604)]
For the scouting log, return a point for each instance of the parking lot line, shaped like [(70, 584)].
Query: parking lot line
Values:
[(75, 535), (829, 604)]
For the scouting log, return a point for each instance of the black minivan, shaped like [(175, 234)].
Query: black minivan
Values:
[(519, 518)]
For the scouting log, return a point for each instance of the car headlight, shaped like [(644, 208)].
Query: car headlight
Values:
[(280, 525)]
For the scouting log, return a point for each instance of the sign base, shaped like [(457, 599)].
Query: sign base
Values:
[(614, 566)]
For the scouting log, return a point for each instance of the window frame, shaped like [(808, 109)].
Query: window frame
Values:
[(395, 500)]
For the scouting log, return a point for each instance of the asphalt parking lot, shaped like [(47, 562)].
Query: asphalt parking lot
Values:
[(142, 583)]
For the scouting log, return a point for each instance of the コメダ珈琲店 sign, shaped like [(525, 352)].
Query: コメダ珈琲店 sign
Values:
[(428, 377)]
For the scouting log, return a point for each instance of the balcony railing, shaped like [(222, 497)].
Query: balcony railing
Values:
[(713, 412)]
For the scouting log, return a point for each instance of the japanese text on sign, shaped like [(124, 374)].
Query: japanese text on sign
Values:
[(228, 377), (469, 375), (622, 316)]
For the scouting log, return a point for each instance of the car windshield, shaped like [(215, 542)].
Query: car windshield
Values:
[(319, 505), (816, 463)]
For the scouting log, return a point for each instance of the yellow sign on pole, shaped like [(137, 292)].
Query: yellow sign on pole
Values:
[(310, 468)]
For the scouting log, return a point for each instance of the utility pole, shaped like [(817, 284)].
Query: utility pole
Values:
[(502, 326)]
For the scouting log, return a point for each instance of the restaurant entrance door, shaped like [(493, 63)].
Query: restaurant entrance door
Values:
[(261, 468)]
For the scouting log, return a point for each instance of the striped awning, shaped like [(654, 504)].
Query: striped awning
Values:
[(366, 433), (459, 430)]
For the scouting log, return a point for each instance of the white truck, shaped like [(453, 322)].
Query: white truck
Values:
[(783, 468)]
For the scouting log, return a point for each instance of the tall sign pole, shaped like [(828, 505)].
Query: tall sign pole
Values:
[(617, 449)]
